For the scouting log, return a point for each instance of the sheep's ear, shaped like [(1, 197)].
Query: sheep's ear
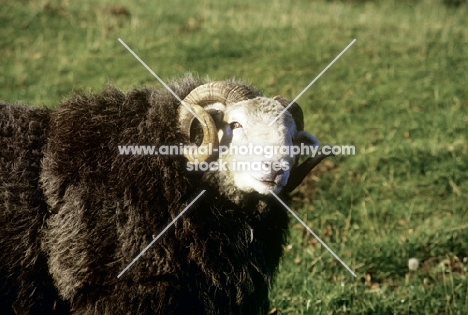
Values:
[(299, 172), (303, 137)]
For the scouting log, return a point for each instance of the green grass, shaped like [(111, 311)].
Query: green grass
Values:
[(400, 95)]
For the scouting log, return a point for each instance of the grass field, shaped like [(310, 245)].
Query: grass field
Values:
[(400, 95)]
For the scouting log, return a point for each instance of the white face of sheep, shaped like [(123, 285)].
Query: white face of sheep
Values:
[(259, 157)]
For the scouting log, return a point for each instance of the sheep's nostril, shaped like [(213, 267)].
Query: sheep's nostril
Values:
[(271, 169)]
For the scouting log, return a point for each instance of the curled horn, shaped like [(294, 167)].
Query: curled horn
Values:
[(299, 172), (197, 99), (294, 109)]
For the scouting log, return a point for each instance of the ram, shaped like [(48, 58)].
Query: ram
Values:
[(74, 211)]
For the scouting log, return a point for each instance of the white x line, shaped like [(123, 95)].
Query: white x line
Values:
[(162, 82), (186, 208), (160, 234), (315, 235), (310, 84)]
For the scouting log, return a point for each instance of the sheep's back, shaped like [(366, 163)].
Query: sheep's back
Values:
[(105, 207)]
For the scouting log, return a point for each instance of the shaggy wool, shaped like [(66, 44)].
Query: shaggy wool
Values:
[(74, 213)]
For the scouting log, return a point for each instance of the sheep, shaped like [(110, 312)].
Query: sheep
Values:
[(74, 212)]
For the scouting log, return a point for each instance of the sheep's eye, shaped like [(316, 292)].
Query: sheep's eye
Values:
[(235, 125)]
